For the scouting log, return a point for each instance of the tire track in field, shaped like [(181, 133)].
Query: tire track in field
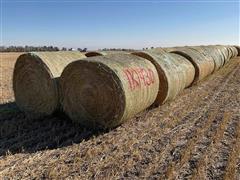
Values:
[(233, 165), (218, 158), (200, 150), (173, 153)]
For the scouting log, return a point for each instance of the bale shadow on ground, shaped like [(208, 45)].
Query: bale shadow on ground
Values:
[(20, 134)]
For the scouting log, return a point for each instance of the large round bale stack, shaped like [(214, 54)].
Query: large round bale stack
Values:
[(104, 91), (202, 64), (35, 81), (104, 53), (211, 53), (174, 71)]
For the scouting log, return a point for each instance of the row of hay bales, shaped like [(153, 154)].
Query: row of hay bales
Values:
[(104, 89)]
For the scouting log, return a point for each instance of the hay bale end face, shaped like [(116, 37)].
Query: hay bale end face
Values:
[(202, 64), (104, 91), (175, 73), (35, 81)]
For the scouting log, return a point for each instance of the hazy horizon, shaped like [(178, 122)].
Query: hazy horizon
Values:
[(119, 24)]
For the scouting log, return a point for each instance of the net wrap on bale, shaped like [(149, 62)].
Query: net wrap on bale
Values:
[(203, 65), (35, 81), (104, 91), (234, 51), (211, 53), (174, 71)]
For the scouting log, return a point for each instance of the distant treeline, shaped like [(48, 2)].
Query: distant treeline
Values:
[(36, 48), (115, 49), (52, 48)]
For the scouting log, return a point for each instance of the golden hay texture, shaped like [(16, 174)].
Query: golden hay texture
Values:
[(213, 53), (234, 51), (35, 81), (104, 53), (196, 136), (204, 66), (104, 91), (226, 52), (174, 72)]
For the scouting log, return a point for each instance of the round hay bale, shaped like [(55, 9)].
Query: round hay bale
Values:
[(185, 67), (238, 50), (202, 64), (234, 51), (35, 81), (211, 53), (224, 51), (174, 72), (104, 91), (225, 55), (104, 53)]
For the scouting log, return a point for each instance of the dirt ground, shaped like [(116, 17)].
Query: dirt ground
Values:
[(195, 136)]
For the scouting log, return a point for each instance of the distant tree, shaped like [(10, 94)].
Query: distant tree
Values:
[(84, 50), (56, 49)]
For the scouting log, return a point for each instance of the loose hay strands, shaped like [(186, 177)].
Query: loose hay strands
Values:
[(174, 71), (203, 65), (35, 81), (104, 91)]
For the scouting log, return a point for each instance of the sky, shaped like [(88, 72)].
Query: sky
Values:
[(119, 24)]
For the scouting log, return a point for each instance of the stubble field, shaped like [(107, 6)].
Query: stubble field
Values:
[(195, 136)]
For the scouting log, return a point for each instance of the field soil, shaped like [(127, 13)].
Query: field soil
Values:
[(195, 136)]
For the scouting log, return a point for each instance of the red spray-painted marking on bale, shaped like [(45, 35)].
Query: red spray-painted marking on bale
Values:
[(139, 77)]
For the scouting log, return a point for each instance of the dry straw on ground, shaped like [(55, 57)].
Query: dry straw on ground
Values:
[(35, 81), (104, 91), (175, 73), (204, 65)]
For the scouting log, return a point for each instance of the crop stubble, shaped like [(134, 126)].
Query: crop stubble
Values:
[(196, 135)]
